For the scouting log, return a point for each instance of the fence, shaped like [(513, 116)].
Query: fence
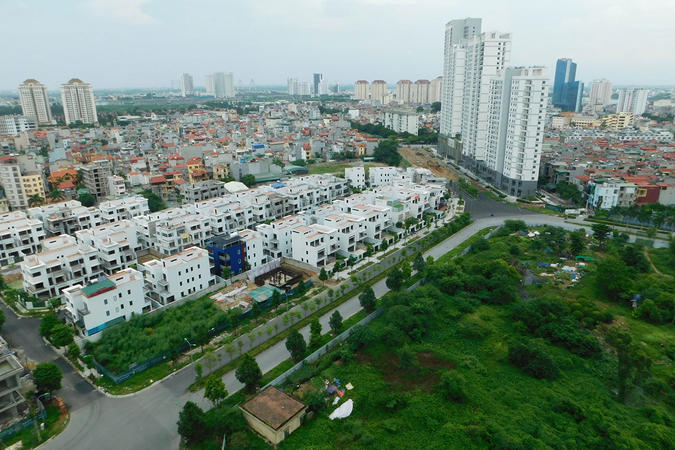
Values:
[(282, 322), (22, 425), (281, 379), (137, 368)]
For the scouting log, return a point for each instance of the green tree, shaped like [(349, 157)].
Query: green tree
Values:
[(614, 278), (453, 386), (577, 242), (47, 377), (248, 180), (351, 260), (435, 107), (191, 422), (633, 361), (323, 275), (276, 299), (335, 322), (55, 194), (407, 359), (87, 199), (215, 390), (368, 300), (35, 200), (199, 370), (61, 335), (47, 323), (296, 345), (248, 373), (227, 272), (406, 270), (395, 279), (155, 202), (601, 232), (73, 351), (418, 263), (387, 152), (314, 334)]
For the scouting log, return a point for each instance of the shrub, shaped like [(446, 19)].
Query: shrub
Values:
[(453, 387), (532, 359)]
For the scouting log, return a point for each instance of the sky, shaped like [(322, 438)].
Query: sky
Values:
[(148, 43)]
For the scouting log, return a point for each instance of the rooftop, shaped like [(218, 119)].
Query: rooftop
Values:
[(273, 407)]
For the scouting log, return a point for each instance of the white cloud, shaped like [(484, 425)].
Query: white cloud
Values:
[(129, 11)]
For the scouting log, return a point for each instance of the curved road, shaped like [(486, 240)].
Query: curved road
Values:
[(148, 419)]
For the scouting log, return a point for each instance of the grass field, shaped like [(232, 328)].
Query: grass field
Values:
[(660, 259)]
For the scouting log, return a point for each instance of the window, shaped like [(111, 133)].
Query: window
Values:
[(129, 291), (131, 303), (107, 313), (105, 301)]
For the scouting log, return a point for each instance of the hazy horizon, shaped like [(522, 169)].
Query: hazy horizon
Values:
[(144, 44)]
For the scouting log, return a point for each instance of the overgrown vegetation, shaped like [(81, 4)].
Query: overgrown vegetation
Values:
[(480, 359)]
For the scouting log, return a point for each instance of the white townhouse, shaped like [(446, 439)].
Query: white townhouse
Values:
[(19, 236), (108, 301), (277, 236), (254, 251), (61, 263), (116, 244), (66, 217), (178, 276), (356, 176), (123, 208), (314, 244)]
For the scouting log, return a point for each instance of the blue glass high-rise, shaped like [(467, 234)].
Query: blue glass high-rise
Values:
[(566, 91)]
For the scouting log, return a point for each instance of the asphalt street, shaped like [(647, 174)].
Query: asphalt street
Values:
[(147, 420)]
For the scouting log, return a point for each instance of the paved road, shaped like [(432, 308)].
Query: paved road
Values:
[(22, 333), (148, 419)]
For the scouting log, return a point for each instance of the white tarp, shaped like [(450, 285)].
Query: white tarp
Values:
[(344, 410)]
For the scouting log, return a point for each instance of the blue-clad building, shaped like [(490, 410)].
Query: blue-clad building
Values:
[(567, 92), (227, 251)]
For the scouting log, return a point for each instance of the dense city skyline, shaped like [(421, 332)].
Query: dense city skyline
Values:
[(138, 43)]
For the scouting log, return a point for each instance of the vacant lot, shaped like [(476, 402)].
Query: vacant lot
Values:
[(423, 158)]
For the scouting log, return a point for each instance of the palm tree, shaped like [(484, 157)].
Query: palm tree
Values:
[(35, 200), (55, 194)]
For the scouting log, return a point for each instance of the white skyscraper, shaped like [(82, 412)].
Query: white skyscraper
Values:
[(487, 56), (436, 90), (515, 157), (601, 92), (186, 86), (632, 100), (403, 88), (297, 87), (419, 94), (499, 111), (457, 34), (220, 84), (378, 90), (34, 101), (362, 90), (78, 102)]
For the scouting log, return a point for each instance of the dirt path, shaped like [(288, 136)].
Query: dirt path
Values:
[(423, 158), (645, 250)]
